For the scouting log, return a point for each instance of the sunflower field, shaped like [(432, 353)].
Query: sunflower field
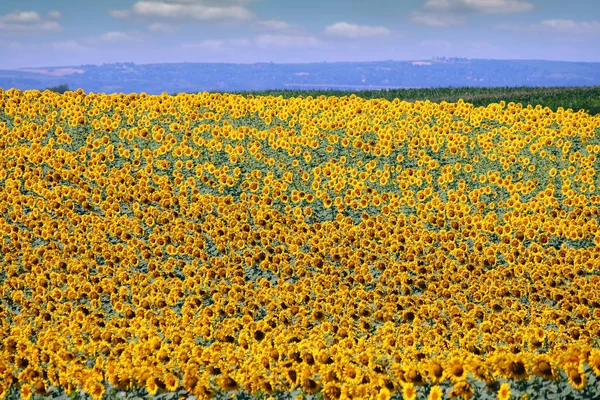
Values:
[(212, 245)]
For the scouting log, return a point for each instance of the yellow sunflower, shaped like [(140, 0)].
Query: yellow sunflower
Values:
[(171, 382), (96, 390), (435, 372), (577, 378), (151, 386), (456, 370), (594, 361), (26, 391), (384, 394), (409, 392), (435, 393), (542, 367), (461, 389), (504, 392)]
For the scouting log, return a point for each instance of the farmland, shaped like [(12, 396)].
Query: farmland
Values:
[(334, 246)]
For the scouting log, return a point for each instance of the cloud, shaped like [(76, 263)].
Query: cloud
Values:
[(287, 41), (70, 45), (201, 12), (570, 26), (216, 44), (120, 13), (564, 26), (26, 21), (116, 37), (160, 27), (452, 13), (437, 20), (480, 6), (261, 41), (274, 24), (347, 30), (54, 15)]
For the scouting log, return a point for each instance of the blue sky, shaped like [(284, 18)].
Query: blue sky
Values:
[(42, 33)]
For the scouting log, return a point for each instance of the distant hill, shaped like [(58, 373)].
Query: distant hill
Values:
[(198, 77)]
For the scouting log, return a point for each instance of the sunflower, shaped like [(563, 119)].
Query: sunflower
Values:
[(504, 392), (577, 378), (461, 389), (229, 383), (40, 388), (331, 391), (455, 370), (384, 394), (518, 370), (96, 390), (171, 382), (409, 392), (26, 391), (594, 361), (151, 386), (542, 367), (435, 372), (435, 393)]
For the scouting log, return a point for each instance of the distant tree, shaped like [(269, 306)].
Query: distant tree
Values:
[(59, 89)]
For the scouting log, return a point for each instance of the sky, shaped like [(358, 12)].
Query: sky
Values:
[(52, 33)]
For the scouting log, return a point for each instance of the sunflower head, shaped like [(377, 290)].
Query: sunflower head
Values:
[(435, 393), (504, 392), (461, 389), (455, 370), (577, 378), (409, 392), (435, 372), (594, 361), (518, 370), (542, 367)]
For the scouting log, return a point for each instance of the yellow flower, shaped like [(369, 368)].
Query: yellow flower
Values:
[(594, 361), (455, 370), (462, 389), (171, 382), (151, 386), (409, 392), (435, 393), (96, 390), (26, 391), (504, 392), (384, 394), (577, 378)]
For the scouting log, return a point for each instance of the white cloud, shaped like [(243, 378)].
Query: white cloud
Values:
[(239, 42), (274, 25), (437, 20), (190, 11), (26, 21), (54, 15), (570, 26), (120, 13), (160, 27), (70, 45), (347, 30), (564, 26), (216, 44), (481, 6), (450, 13), (287, 41), (438, 4), (116, 37), (20, 17)]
